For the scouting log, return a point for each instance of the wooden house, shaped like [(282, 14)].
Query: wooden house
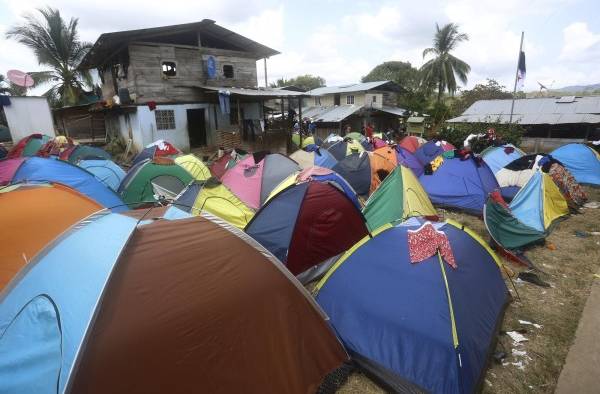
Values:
[(194, 85)]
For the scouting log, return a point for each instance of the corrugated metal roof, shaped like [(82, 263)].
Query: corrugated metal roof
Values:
[(547, 110), (330, 114), (392, 110), (415, 119), (356, 87), (262, 92)]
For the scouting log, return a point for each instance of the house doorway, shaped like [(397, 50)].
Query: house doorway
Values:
[(336, 99), (196, 127)]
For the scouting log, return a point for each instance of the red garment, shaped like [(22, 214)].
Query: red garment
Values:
[(426, 241), (497, 197), (152, 105), (369, 131)]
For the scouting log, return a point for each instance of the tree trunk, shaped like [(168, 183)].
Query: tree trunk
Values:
[(439, 97)]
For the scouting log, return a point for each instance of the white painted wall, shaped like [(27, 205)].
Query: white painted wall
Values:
[(28, 115)]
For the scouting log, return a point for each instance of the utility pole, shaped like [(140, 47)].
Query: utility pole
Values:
[(512, 105)]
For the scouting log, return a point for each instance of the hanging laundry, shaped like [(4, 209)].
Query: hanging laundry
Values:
[(426, 241), (224, 101)]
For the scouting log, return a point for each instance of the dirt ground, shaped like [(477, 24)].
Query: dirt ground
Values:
[(546, 317)]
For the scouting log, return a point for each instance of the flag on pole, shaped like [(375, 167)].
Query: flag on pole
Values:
[(521, 70)]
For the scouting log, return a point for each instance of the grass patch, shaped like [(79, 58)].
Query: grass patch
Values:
[(569, 268)]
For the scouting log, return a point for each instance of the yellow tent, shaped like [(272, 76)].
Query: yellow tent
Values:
[(219, 201), (194, 166)]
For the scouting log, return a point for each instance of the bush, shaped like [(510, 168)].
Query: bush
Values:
[(456, 133)]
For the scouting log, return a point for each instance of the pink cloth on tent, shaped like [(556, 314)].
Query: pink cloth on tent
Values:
[(446, 146), (8, 168), (378, 143), (309, 172), (245, 180), (410, 143), (426, 241)]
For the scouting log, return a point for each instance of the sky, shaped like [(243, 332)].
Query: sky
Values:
[(342, 41)]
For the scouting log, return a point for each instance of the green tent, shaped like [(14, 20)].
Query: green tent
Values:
[(399, 197), (150, 180)]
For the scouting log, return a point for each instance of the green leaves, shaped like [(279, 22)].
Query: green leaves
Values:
[(56, 45), (441, 71)]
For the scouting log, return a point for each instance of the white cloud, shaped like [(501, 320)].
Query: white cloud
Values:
[(580, 44)]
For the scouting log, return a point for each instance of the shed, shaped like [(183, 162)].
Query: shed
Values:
[(28, 115)]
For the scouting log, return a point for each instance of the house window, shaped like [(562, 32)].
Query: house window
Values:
[(169, 69), (349, 99), (228, 71), (165, 119), (374, 99), (317, 101)]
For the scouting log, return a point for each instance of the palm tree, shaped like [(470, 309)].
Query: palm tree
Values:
[(56, 45), (442, 70)]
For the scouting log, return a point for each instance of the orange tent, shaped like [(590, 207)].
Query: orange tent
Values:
[(382, 165), (32, 216)]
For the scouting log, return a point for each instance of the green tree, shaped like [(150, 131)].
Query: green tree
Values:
[(307, 82), (56, 45), (491, 90), (442, 70), (403, 73)]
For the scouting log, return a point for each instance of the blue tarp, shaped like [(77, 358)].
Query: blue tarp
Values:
[(396, 313), (462, 184), (581, 161), (36, 169)]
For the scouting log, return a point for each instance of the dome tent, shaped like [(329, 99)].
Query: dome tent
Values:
[(150, 179), (460, 183), (307, 224), (399, 197), (28, 146), (194, 166), (253, 178), (529, 216), (340, 149), (225, 162), (364, 171), (581, 161), (34, 214), (106, 171), (417, 326), (314, 156), (159, 148), (84, 152), (37, 169), (496, 157), (432, 149), (215, 198), (319, 174), (119, 319)]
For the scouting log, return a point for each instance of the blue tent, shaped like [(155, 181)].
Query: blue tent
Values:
[(422, 324), (499, 156), (581, 161), (429, 151), (36, 169), (461, 184), (106, 171)]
